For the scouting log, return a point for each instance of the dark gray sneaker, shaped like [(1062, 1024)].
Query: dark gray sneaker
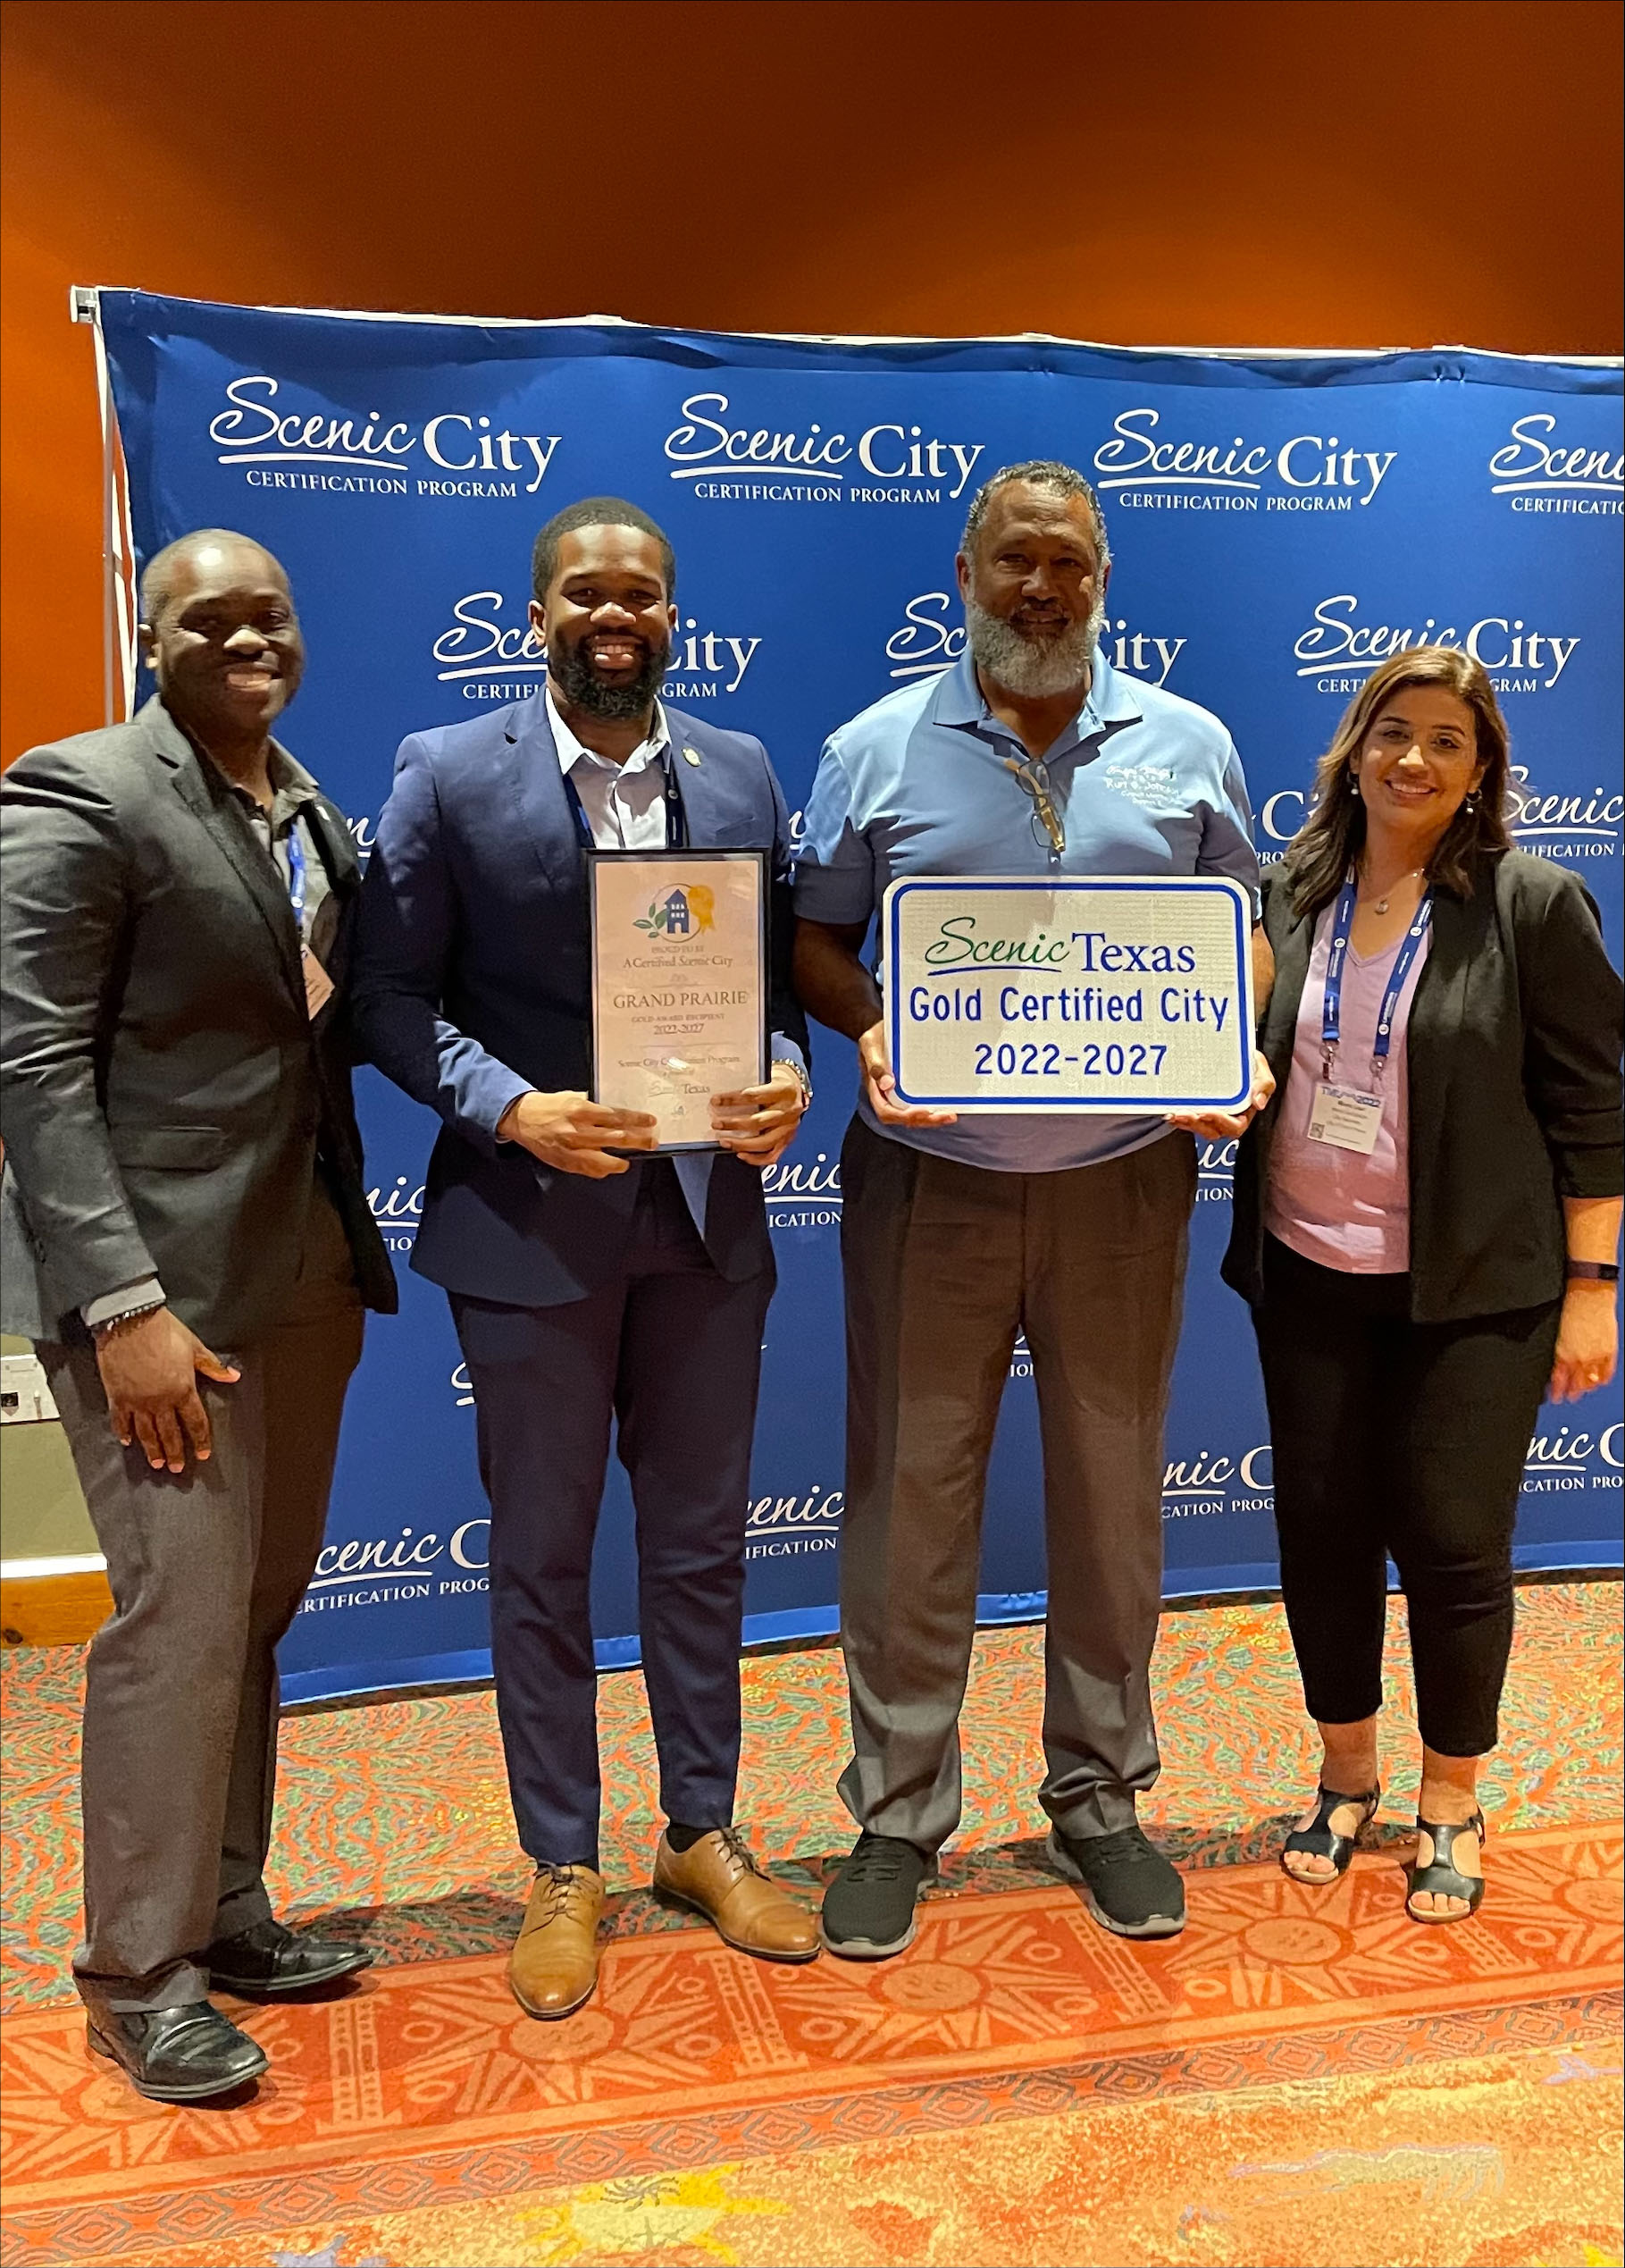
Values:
[(1129, 1886), (868, 1909)]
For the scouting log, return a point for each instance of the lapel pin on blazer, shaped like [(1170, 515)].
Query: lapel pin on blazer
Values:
[(690, 755)]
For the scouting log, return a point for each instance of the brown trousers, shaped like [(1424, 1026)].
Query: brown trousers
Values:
[(207, 1568), (944, 1263)]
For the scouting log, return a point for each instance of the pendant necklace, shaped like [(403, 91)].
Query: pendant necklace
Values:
[(1380, 905)]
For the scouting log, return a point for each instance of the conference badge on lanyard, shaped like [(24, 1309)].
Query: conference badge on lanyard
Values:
[(318, 984), (1350, 1118)]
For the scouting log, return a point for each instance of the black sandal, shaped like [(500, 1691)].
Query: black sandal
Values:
[(1439, 1877), (1320, 1840)]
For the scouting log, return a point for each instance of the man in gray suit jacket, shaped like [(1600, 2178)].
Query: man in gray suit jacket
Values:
[(187, 1240)]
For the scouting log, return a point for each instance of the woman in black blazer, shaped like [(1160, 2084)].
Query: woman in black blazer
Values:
[(1426, 1222)]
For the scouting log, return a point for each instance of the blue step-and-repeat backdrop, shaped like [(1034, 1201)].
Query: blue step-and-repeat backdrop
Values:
[(1278, 525)]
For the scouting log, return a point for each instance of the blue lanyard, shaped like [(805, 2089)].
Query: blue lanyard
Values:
[(295, 876), (677, 830), (1331, 1028)]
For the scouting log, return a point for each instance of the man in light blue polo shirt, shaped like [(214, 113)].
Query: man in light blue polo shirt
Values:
[(1030, 755)]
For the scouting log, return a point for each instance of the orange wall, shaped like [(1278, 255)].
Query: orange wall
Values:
[(1358, 172)]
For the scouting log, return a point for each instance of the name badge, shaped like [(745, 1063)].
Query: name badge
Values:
[(1345, 1119)]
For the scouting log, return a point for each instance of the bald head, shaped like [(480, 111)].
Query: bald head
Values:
[(220, 633), (211, 550)]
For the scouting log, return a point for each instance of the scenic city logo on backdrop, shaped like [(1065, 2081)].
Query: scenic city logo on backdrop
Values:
[(883, 462), (1148, 466), (261, 435), (1342, 644), (1541, 468)]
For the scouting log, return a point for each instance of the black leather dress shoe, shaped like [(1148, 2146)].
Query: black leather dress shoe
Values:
[(176, 2055), (269, 1960)]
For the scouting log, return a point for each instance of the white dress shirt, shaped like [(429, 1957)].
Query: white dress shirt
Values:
[(625, 804)]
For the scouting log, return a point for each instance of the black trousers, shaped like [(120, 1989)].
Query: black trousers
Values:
[(673, 1352), (1396, 1437)]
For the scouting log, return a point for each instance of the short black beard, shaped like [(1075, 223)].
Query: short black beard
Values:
[(579, 686)]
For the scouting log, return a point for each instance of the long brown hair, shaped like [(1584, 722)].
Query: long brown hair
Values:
[(1332, 836)]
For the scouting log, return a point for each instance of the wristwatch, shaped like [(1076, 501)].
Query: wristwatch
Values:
[(108, 1325), (801, 1078)]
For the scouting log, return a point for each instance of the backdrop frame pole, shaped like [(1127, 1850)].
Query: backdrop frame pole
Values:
[(118, 648)]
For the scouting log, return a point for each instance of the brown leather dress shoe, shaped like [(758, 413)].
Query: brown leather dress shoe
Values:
[(553, 1967), (719, 1879)]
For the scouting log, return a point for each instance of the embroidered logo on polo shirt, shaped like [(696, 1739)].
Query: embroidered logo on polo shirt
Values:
[(1152, 787)]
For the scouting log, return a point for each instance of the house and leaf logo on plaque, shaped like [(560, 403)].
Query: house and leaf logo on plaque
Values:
[(682, 913)]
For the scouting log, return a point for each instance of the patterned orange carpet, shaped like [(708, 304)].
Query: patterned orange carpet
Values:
[(1300, 2077)]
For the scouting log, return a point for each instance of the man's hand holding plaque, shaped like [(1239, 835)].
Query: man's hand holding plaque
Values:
[(575, 1135), (570, 1132), (758, 1123)]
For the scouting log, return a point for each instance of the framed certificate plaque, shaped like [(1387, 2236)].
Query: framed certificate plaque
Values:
[(679, 983)]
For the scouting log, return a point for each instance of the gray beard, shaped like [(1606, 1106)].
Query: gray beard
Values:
[(1032, 668)]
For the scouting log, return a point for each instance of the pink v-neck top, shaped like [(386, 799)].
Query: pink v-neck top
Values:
[(1335, 1206)]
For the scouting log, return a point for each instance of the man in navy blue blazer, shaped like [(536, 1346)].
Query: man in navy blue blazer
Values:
[(589, 1279)]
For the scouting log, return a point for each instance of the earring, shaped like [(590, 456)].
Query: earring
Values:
[(1471, 799), (1354, 783)]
